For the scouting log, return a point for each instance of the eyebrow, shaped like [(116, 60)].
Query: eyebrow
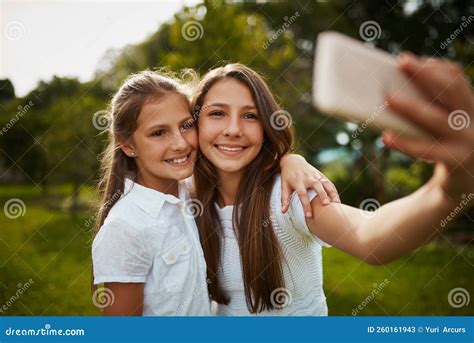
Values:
[(219, 104), (161, 126)]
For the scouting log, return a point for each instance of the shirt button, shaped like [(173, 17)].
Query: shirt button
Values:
[(186, 247)]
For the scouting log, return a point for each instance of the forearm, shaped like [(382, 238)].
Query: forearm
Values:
[(403, 225)]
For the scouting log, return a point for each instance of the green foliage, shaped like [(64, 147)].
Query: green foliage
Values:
[(227, 34), (51, 139), (50, 136), (7, 91), (405, 181)]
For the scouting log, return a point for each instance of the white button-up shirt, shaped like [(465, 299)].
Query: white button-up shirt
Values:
[(151, 237)]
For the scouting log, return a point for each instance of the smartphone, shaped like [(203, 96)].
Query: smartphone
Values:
[(351, 81)]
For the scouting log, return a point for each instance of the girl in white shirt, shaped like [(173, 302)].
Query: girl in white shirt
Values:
[(147, 250), (147, 253), (263, 262)]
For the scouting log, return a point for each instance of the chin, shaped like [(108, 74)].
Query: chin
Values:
[(230, 167), (182, 174)]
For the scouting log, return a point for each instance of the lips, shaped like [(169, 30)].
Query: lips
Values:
[(231, 148), (179, 160)]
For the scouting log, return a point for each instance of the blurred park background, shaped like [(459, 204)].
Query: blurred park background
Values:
[(50, 143)]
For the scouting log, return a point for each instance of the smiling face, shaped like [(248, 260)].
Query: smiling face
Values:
[(230, 130), (164, 144), (242, 151)]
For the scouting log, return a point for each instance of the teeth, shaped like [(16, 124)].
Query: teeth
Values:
[(229, 149), (177, 160)]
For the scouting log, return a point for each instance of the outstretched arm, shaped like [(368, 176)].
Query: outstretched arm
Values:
[(400, 226), (390, 232)]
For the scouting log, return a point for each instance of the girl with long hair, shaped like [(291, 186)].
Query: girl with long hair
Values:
[(146, 252), (261, 261)]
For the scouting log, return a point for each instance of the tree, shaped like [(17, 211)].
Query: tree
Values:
[(7, 91)]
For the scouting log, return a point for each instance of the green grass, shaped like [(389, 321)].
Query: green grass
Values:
[(417, 285), (52, 247)]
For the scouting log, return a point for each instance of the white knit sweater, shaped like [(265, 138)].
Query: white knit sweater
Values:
[(303, 294)]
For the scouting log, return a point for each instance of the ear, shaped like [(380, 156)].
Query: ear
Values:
[(127, 147)]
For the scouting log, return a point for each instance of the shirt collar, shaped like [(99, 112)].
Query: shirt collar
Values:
[(150, 200), (226, 212)]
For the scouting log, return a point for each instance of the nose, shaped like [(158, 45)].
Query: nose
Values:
[(233, 129), (178, 142)]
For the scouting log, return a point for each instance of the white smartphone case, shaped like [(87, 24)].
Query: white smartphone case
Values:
[(351, 81)]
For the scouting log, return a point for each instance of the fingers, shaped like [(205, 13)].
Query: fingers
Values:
[(331, 190), (303, 195), (322, 195), (429, 117), (442, 81), (419, 148), (285, 196)]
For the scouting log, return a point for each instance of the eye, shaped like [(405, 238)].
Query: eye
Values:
[(157, 133), (188, 125), (250, 116), (216, 113)]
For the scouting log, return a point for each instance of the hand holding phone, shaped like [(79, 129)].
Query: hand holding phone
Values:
[(352, 80)]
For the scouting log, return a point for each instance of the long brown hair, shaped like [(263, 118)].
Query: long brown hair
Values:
[(124, 109), (260, 250)]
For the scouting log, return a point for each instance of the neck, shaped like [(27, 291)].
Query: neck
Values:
[(228, 187), (167, 186)]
